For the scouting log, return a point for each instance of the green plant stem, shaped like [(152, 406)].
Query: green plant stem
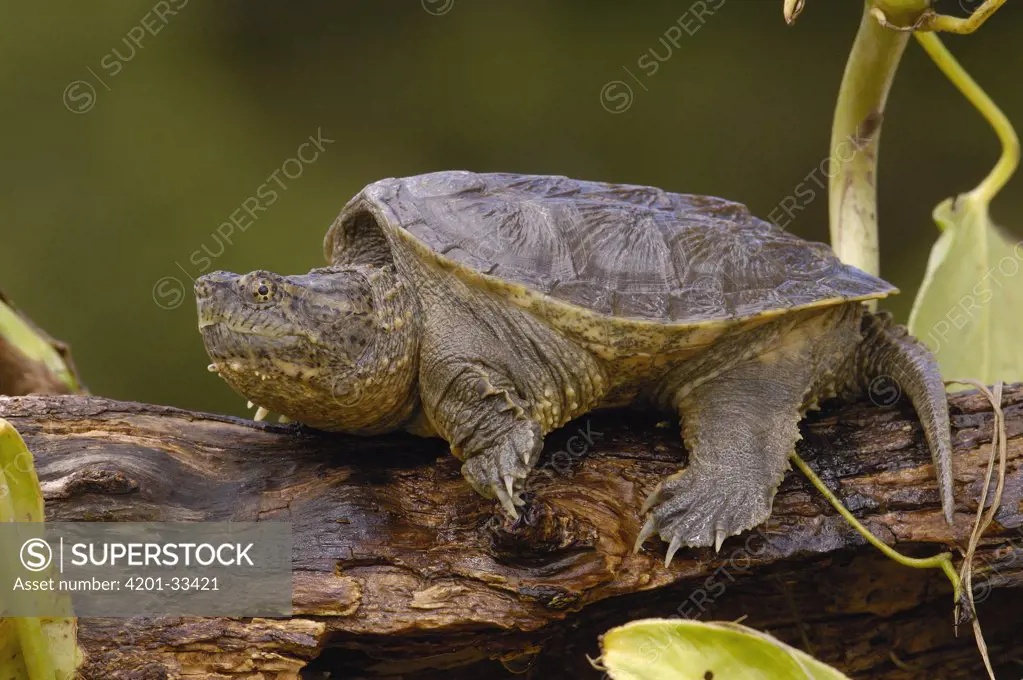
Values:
[(903, 13), (855, 138), (947, 24), (1009, 160), (941, 561)]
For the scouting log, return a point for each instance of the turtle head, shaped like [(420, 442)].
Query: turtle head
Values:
[(334, 349)]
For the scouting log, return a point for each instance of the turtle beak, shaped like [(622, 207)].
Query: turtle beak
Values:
[(212, 293)]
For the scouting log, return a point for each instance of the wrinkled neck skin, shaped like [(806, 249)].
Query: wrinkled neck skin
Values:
[(335, 349)]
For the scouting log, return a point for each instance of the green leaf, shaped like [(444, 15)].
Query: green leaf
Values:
[(967, 309), (20, 334), (655, 649), (21, 499), (30, 648)]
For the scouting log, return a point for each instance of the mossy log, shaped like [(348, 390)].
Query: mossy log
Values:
[(401, 571)]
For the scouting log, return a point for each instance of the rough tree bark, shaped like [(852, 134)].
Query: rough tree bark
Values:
[(402, 571)]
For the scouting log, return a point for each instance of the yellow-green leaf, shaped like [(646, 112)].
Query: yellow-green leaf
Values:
[(656, 649), (18, 479), (20, 334), (30, 648), (967, 310)]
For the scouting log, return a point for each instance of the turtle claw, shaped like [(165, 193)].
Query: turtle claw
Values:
[(509, 497), (690, 509), (651, 500), (499, 471), (648, 530), (676, 543), (507, 503)]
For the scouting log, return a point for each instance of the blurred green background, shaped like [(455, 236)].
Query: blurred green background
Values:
[(112, 184)]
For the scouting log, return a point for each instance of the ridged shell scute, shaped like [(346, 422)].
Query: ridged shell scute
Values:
[(632, 255)]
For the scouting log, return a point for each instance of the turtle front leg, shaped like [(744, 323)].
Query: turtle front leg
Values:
[(487, 425), (739, 428), (493, 383)]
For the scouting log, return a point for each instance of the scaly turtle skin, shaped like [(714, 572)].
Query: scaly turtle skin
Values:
[(491, 309)]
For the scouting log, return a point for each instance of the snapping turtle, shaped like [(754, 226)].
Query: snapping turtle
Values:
[(490, 309)]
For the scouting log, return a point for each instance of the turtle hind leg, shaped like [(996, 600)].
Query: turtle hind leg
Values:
[(889, 351), (741, 426), (739, 429)]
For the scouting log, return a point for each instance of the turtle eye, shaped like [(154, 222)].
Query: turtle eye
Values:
[(264, 291)]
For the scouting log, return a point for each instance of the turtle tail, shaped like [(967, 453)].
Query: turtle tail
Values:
[(890, 362)]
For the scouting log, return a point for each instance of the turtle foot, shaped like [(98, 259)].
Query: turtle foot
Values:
[(500, 471), (694, 510)]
